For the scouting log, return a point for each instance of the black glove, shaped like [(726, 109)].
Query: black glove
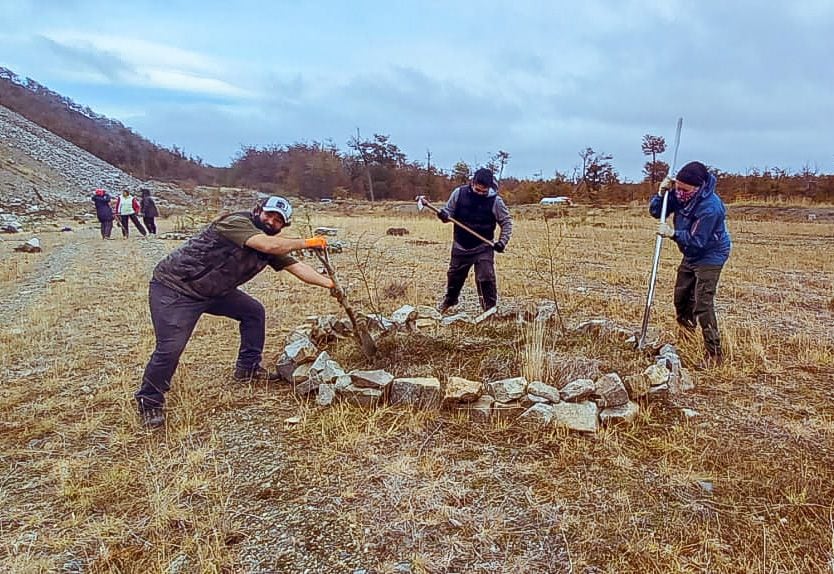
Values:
[(443, 216), (499, 246)]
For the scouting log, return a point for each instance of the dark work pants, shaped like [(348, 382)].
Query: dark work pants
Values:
[(106, 228), (150, 224), (174, 317), (132, 217), (695, 302), (459, 265)]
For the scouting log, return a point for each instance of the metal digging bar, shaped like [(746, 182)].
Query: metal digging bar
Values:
[(641, 341), (423, 202), (366, 342)]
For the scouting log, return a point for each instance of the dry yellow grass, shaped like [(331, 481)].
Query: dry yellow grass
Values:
[(746, 486)]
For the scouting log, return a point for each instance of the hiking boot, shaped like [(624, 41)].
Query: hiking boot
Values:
[(152, 417), (256, 375)]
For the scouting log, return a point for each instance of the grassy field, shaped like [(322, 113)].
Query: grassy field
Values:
[(744, 486)]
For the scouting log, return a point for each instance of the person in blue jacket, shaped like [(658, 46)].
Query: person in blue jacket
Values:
[(700, 232)]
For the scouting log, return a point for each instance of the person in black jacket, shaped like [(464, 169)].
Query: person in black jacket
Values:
[(147, 207), (203, 276), (478, 206), (104, 212)]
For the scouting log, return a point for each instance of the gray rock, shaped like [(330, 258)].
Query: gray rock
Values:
[(576, 416), (637, 385), (540, 414), (326, 395), (506, 390), (539, 389), (301, 373), (609, 391), (342, 382), (377, 379), (403, 315), (320, 363), (331, 371), (306, 387), (668, 349), (419, 392), (529, 400), (456, 318), (300, 351), (460, 390), (359, 396), (595, 327), (681, 383), (657, 375), (426, 312), (31, 246), (626, 413), (577, 390)]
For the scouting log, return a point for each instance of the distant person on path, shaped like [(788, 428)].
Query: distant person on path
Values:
[(478, 206), (104, 212), (203, 276), (701, 234), (149, 211), (127, 208)]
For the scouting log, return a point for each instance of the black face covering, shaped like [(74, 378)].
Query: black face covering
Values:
[(256, 219)]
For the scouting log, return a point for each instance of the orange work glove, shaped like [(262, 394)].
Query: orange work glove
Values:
[(317, 242)]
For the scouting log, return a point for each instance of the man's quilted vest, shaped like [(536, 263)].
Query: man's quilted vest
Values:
[(475, 211), (209, 265)]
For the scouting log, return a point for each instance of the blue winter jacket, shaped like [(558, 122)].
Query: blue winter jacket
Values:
[(700, 231), (103, 210)]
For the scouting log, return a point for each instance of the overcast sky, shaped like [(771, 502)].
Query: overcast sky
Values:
[(754, 81)]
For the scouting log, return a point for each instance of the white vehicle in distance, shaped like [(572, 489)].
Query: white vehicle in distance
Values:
[(560, 200)]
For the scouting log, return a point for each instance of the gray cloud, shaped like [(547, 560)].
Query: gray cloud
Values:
[(87, 58)]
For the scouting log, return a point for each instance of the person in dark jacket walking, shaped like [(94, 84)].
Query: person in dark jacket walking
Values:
[(478, 206), (149, 211), (203, 276), (104, 212), (700, 232), (127, 208)]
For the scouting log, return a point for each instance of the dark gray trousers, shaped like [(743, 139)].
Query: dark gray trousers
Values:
[(174, 317), (460, 264), (695, 289)]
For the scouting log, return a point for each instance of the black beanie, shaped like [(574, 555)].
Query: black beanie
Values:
[(694, 173), (484, 177)]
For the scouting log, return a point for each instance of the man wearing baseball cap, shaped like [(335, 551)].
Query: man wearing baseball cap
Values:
[(203, 276), (700, 232)]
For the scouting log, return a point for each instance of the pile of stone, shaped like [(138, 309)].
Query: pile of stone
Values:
[(79, 171), (582, 404)]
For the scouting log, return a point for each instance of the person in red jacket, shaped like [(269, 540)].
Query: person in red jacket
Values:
[(127, 208)]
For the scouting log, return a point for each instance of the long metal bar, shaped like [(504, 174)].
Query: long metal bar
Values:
[(641, 342)]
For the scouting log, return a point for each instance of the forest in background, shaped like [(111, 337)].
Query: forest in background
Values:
[(374, 167)]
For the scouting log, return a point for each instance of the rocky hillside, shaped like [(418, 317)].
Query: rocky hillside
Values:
[(41, 173)]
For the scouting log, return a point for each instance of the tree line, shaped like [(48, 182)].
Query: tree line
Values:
[(372, 168)]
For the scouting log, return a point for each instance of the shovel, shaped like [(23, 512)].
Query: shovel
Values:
[(423, 202), (641, 340), (366, 342)]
